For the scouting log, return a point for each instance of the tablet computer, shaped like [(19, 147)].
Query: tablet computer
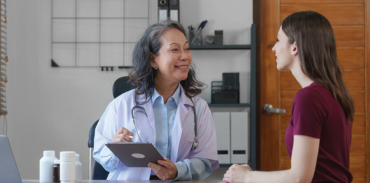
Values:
[(135, 154)]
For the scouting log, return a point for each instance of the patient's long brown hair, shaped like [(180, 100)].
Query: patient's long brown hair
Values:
[(315, 41)]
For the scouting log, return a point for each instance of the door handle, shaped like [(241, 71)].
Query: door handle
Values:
[(268, 109)]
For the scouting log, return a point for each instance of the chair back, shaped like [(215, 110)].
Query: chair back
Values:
[(121, 86), (90, 142), (98, 172)]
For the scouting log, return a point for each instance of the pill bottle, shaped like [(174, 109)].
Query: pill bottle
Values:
[(67, 167), (56, 171), (46, 166), (78, 168)]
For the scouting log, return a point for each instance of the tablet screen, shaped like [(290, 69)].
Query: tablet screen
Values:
[(135, 154)]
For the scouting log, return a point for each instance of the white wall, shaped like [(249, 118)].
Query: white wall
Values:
[(54, 108)]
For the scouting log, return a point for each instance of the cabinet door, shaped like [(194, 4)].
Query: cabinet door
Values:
[(351, 24)]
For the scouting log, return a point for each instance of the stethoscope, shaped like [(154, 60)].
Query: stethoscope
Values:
[(195, 142)]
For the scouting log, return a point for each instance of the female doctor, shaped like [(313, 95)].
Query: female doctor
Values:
[(166, 111)]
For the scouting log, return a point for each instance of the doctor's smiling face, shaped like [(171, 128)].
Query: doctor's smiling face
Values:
[(284, 51), (173, 58), (161, 59)]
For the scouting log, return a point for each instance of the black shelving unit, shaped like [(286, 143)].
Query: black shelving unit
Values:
[(253, 90)]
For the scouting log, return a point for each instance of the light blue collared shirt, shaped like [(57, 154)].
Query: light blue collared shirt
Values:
[(164, 114)]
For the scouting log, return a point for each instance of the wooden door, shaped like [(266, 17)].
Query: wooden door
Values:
[(351, 24)]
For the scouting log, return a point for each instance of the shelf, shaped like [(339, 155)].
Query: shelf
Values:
[(252, 105), (220, 47), (229, 105)]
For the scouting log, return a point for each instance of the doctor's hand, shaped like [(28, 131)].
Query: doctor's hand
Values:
[(165, 170), (237, 173), (122, 135)]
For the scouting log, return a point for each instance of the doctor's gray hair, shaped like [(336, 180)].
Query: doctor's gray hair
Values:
[(142, 76)]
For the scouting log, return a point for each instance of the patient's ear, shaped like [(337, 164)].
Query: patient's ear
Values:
[(294, 49)]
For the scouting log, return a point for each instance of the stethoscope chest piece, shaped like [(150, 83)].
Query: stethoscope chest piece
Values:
[(195, 144)]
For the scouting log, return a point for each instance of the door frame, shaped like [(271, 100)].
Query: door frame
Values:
[(269, 85)]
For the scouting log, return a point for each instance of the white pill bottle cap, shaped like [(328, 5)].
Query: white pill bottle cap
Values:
[(67, 156), (49, 153)]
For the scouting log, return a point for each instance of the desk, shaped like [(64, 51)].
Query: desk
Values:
[(134, 181)]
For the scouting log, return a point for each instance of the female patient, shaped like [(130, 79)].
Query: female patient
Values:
[(318, 137), (165, 107)]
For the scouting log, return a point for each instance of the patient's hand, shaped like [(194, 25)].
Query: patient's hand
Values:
[(237, 173), (165, 170), (122, 135)]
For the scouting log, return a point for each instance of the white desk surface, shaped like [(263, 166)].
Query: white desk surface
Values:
[(132, 181)]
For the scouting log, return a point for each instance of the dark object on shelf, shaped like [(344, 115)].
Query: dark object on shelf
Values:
[(125, 67), (219, 96), (163, 13), (219, 37), (210, 40), (169, 10), (225, 97), (230, 81), (174, 10), (195, 37), (216, 85)]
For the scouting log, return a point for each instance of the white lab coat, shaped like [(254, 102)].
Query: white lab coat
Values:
[(118, 114)]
